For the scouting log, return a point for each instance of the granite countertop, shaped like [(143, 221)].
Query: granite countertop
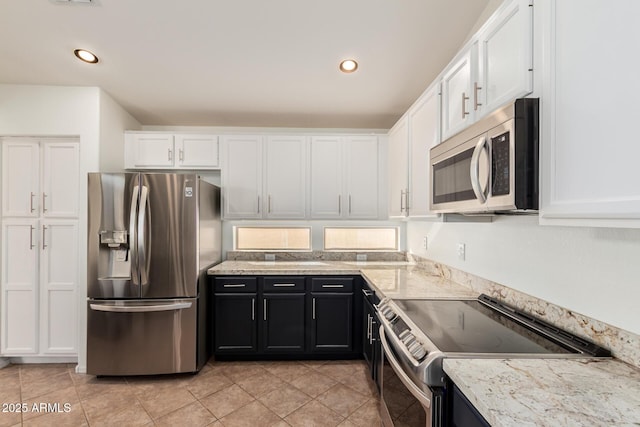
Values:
[(394, 279), (550, 392)]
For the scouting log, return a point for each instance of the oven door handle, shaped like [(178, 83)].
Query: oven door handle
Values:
[(413, 389), (474, 170)]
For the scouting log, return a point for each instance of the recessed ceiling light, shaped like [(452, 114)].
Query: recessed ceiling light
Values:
[(86, 56), (348, 66)]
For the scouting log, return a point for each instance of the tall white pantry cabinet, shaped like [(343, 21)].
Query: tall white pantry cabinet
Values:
[(39, 269)]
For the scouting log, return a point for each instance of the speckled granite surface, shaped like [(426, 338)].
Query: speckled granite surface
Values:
[(550, 392), (394, 279)]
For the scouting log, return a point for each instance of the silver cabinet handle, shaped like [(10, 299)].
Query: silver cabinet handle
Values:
[(369, 328), (367, 292), (476, 88), (339, 204), (283, 285), (406, 201), (234, 285), (31, 208), (464, 99), (474, 171), (139, 308), (349, 204), (313, 309), (44, 230), (269, 204), (169, 154), (264, 307), (333, 286), (181, 154), (401, 200), (44, 199), (258, 204), (371, 339), (31, 245), (253, 309)]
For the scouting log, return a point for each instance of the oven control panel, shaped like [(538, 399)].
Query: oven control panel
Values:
[(401, 331)]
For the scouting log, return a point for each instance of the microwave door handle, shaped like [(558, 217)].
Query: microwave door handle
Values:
[(474, 170)]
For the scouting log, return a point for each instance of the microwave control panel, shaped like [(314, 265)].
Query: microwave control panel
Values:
[(500, 165)]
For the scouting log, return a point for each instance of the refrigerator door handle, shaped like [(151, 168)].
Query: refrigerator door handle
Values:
[(133, 236), (140, 308), (142, 234)]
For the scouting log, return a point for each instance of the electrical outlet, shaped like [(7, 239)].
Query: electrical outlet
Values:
[(461, 251), (269, 257), (361, 257), (424, 242)]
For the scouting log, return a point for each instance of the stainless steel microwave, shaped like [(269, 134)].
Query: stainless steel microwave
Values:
[(492, 166)]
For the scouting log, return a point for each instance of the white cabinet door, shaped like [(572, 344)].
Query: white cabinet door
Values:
[(424, 128), (242, 177), (197, 151), (589, 148), (505, 67), (58, 284), (457, 96), (286, 159), (326, 177), (60, 179), (398, 168), (150, 151), (20, 178), (20, 306), (361, 177)]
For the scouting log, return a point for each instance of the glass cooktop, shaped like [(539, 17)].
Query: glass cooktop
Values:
[(472, 327)]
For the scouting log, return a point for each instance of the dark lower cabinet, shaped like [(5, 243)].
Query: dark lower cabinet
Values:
[(461, 412), (283, 323), (331, 322), (235, 324), (287, 316)]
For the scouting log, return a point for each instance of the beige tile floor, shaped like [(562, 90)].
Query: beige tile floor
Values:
[(255, 394)]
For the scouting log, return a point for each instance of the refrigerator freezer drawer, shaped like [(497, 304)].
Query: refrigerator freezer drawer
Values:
[(142, 337)]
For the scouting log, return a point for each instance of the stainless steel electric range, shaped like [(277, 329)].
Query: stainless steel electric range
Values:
[(417, 334)]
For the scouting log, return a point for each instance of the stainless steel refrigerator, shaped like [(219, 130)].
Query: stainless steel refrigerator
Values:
[(151, 239)]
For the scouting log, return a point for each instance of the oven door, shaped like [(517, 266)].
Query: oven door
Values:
[(460, 176), (403, 402)]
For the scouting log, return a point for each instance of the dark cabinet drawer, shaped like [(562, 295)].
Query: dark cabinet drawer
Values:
[(283, 284), (235, 284), (332, 284)]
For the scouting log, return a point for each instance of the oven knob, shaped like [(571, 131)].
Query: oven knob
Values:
[(418, 352), (388, 313)]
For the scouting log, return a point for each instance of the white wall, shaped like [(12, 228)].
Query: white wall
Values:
[(592, 271), (114, 120)]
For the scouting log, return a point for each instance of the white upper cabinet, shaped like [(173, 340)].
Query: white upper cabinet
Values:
[(361, 177), (505, 66), (493, 69), (285, 186), (344, 177), (409, 143), (20, 178), (424, 133), (160, 150), (398, 166), (458, 105), (60, 179), (589, 112), (325, 175), (242, 177), (40, 178), (197, 151)]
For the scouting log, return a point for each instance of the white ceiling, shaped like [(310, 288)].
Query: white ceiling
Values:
[(240, 62)]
